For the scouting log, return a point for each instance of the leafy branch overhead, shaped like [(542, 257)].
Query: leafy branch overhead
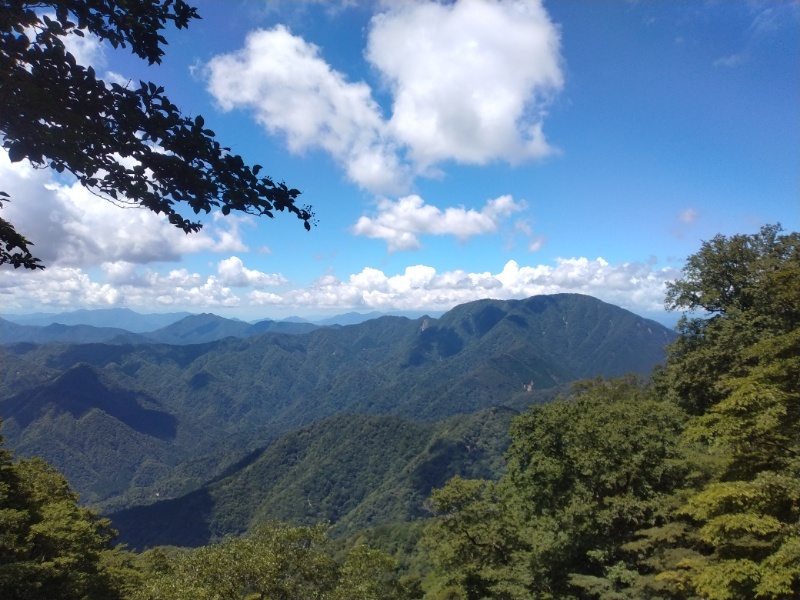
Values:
[(127, 144)]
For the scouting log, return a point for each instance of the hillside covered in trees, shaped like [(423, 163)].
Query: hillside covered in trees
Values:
[(685, 487), (681, 485), (130, 423)]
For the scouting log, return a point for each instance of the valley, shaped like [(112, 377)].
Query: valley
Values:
[(350, 425)]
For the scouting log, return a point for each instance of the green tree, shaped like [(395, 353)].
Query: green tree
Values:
[(275, 562), (128, 145), (477, 543), (368, 574), (748, 404), (737, 290), (584, 475), (50, 547)]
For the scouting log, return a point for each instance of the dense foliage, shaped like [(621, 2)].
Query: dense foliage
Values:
[(747, 515), (585, 473), (682, 487), (50, 547), (273, 561), (127, 422), (689, 488), (127, 144), (353, 471)]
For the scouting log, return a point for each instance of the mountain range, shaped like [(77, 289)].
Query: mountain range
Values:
[(199, 428), (118, 326), (189, 329)]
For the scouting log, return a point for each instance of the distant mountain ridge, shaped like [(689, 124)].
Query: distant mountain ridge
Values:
[(212, 403), (124, 326), (119, 318), (57, 333), (199, 329), (192, 329)]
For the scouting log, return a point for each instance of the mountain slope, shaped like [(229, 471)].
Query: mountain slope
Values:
[(231, 396), (206, 327), (349, 470), (56, 333)]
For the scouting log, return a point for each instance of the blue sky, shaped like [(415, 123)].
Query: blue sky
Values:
[(451, 150)]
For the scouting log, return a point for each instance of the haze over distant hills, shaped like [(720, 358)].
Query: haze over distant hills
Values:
[(120, 318), (123, 326), (137, 420), (124, 318)]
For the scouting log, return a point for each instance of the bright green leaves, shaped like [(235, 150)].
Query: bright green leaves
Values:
[(738, 371), (367, 574), (273, 561), (49, 546), (748, 286), (584, 475)]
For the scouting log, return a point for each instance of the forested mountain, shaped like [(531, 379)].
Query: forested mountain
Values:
[(198, 329), (122, 421), (677, 486), (353, 471), (56, 333)]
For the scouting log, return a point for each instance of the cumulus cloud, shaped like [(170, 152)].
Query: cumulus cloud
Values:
[(71, 227), (401, 223), (291, 90), (469, 81), (637, 286), (68, 288), (233, 272)]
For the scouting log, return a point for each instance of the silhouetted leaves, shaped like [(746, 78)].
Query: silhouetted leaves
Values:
[(128, 144)]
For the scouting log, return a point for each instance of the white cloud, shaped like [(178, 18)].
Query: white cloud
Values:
[(637, 286), (71, 227), (401, 223), (87, 50), (68, 288), (233, 272), (292, 91), (469, 79), (470, 83)]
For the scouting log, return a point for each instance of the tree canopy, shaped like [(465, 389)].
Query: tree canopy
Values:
[(680, 487), (127, 144), (50, 547), (684, 489)]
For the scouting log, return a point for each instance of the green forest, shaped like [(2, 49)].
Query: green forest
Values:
[(681, 485)]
